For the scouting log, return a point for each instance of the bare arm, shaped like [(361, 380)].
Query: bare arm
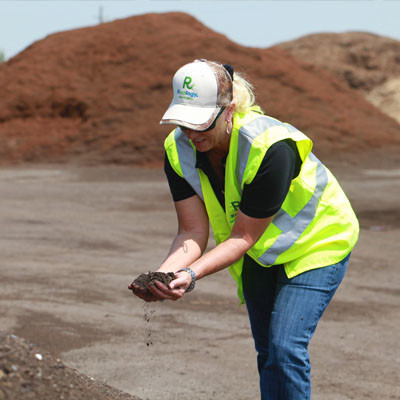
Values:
[(192, 237), (244, 235), (188, 245)]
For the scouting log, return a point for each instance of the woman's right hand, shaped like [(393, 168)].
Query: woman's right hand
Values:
[(142, 293)]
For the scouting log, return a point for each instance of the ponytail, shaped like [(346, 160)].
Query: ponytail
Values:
[(243, 95)]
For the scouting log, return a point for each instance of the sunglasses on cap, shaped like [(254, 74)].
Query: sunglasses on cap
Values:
[(212, 126)]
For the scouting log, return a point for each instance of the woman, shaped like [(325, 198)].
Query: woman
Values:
[(282, 224)]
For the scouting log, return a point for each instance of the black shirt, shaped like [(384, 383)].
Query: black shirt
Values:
[(264, 196)]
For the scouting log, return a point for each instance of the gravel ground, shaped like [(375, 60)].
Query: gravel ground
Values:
[(73, 238)]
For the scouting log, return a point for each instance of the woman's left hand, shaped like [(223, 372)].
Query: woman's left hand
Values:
[(175, 290)]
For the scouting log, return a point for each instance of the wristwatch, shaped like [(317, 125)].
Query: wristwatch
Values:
[(193, 275)]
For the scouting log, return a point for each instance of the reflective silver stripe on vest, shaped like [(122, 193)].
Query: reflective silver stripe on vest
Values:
[(293, 227), (187, 160), (247, 134)]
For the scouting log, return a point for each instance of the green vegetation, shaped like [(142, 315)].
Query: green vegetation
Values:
[(2, 56)]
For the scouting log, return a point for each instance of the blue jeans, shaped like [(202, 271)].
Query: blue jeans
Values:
[(283, 316)]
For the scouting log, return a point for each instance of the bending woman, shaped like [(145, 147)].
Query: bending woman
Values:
[(282, 224)]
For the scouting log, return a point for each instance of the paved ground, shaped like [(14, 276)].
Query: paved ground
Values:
[(72, 239)]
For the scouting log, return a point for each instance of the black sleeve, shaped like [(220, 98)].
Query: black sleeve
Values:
[(178, 186), (264, 196)]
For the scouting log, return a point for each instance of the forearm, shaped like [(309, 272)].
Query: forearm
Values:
[(222, 256), (244, 235), (186, 248)]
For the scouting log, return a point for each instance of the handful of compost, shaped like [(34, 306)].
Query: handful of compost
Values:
[(146, 279)]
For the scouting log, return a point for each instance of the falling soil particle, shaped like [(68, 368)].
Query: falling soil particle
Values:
[(148, 313), (144, 280)]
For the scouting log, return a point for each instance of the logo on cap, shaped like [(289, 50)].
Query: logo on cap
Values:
[(186, 82), (187, 94)]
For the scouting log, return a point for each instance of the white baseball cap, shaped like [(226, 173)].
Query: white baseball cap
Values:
[(201, 89)]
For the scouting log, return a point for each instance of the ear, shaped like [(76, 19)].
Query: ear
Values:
[(229, 112)]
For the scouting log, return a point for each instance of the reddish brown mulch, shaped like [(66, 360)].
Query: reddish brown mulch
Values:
[(97, 94)]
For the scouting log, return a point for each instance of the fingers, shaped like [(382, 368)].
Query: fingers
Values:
[(161, 291), (156, 290), (180, 282), (142, 293)]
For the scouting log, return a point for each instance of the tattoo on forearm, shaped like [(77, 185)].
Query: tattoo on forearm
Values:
[(185, 249)]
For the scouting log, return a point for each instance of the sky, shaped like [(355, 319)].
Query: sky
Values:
[(261, 23)]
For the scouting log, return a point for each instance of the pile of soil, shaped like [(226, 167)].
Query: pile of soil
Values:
[(97, 94), (363, 61), (29, 372)]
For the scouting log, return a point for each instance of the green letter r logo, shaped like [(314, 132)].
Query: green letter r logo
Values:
[(187, 81)]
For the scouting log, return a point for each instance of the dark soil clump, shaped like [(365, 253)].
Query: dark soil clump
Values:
[(146, 279)]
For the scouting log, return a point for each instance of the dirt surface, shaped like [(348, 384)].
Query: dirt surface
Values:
[(73, 238)]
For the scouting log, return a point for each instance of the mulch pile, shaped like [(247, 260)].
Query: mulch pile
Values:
[(97, 94), (29, 372), (363, 61)]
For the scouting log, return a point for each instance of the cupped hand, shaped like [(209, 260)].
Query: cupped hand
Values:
[(175, 290), (142, 293)]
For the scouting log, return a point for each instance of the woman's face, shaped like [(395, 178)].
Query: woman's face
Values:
[(214, 139), (203, 141)]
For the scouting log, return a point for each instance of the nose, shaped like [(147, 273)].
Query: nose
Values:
[(191, 134)]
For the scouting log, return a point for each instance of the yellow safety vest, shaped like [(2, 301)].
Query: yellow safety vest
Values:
[(316, 225)]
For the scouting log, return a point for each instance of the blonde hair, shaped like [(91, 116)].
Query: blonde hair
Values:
[(243, 95)]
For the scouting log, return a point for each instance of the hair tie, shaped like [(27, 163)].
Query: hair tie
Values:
[(230, 69)]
